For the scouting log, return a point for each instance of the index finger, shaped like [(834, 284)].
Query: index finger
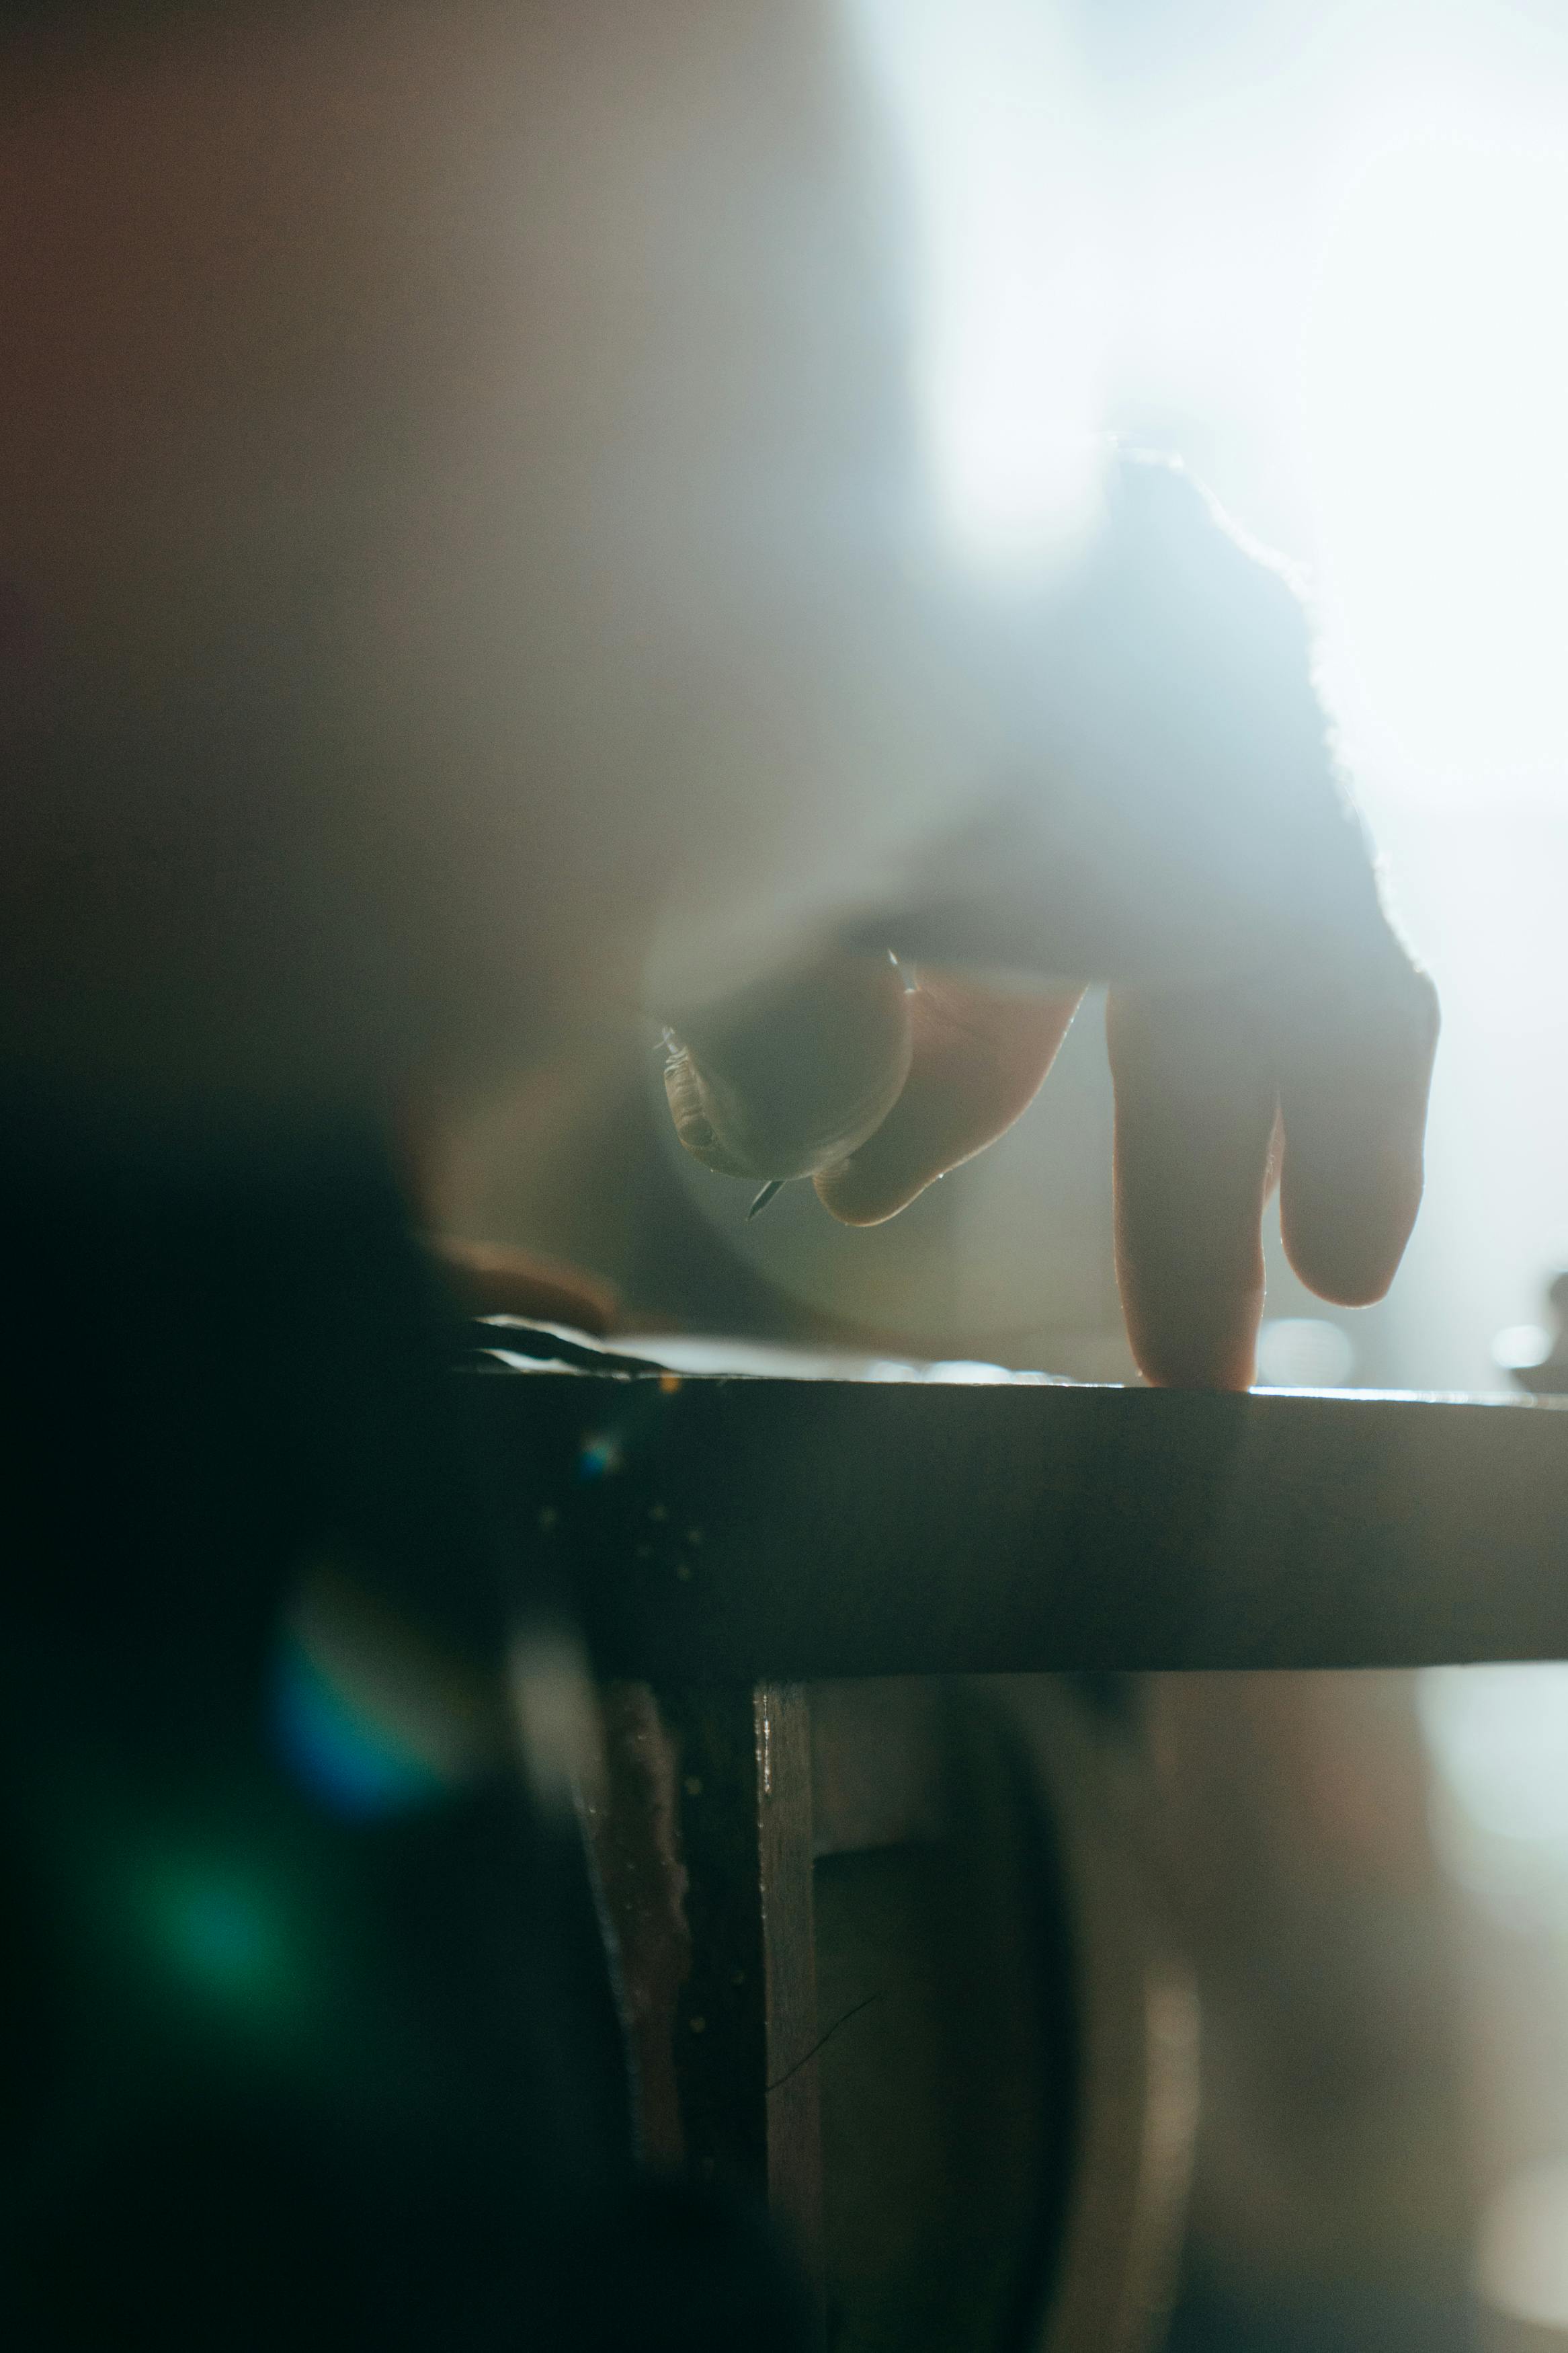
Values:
[(1195, 1097)]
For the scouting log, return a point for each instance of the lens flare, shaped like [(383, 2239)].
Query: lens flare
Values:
[(369, 1714)]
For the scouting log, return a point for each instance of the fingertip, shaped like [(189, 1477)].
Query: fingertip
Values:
[(864, 1190), (1354, 1083), (1194, 1343), (1196, 1108), (496, 1279), (979, 1056), (1347, 1251)]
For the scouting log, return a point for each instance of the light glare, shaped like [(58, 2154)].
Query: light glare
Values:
[(1010, 328), (1435, 392), (1522, 2262)]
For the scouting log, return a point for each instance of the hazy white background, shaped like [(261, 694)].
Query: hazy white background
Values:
[(1322, 251)]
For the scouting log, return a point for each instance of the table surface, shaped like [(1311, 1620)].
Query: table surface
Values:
[(785, 1527)]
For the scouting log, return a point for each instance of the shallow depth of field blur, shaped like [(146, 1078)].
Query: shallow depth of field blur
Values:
[(1322, 251), (1319, 249), (1318, 252)]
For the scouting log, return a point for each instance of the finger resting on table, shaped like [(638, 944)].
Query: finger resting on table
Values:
[(494, 1278), (1196, 1103)]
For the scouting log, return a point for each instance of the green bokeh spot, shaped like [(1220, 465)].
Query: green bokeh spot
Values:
[(224, 1939)]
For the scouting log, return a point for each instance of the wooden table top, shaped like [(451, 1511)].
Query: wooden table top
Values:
[(720, 1528)]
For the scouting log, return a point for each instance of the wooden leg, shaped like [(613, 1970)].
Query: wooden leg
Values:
[(789, 1955), (746, 2025)]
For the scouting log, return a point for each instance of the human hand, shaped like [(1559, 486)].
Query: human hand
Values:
[(494, 1278), (1190, 846)]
